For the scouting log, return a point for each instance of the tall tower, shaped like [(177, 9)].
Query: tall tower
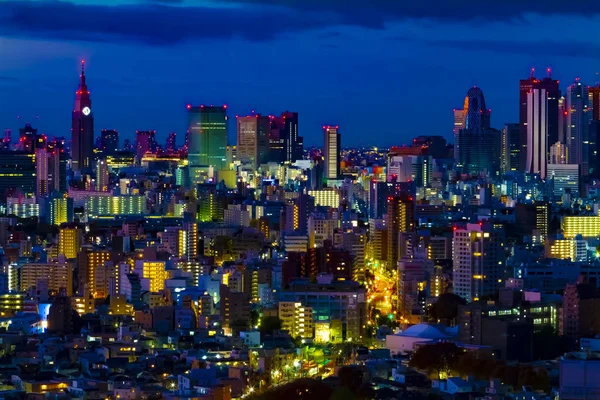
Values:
[(537, 132), (253, 139), (475, 116), (400, 218), (207, 130), (293, 143), (554, 123), (82, 128), (331, 149), (578, 129)]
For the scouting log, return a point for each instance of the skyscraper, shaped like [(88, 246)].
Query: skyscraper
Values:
[(579, 126), (145, 143), (400, 218), (207, 127), (475, 115), (478, 260), (47, 166), (102, 176), (109, 141), (82, 128), (253, 139), (477, 147), (293, 143), (594, 93), (511, 142), (332, 149), (553, 95), (537, 132)]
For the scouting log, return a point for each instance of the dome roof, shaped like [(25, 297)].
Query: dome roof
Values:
[(426, 331)]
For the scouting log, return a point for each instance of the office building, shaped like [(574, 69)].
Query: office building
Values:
[(82, 128), (69, 241), (57, 276), (511, 147), (594, 101), (558, 153), (207, 127), (59, 209), (588, 226), (97, 206), (296, 319), (145, 143), (153, 274), (102, 176), (17, 171), (537, 132), (400, 218), (409, 168), (341, 306), (478, 152), (109, 141), (329, 197), (47, 166), (578, 133), (253, 139), (565, 178), (567, 249), (332, 151), (478, 260), (553, 95)]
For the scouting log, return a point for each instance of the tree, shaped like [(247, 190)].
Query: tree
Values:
[(439, 358), (269, 324), (445, 309)]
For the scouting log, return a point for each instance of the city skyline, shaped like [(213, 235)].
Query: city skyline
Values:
[(383, 78)]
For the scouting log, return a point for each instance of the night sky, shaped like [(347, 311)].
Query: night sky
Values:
[(384, 70)]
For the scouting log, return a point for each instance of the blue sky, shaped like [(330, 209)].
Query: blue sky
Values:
[(384, 71)]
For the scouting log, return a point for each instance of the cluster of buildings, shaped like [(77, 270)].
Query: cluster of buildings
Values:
[(203, 271)]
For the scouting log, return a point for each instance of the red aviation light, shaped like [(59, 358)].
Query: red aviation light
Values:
[(189, 106), (225, 106)]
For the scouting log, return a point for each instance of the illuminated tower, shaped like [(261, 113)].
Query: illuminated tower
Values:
[(253, 139), (475, 116), (400, 218), (47, 166), (332, 149), (553, 94), (82, 128), (102, 176), (69, 241), (537, 132), (578, 126), (171, 144), (207, 127)]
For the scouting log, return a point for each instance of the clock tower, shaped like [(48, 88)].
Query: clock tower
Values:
[(82, 129)]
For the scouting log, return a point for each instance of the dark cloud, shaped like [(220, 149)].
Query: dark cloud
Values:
[(373, 12), (165, 22), (538, 48), (151, 23)]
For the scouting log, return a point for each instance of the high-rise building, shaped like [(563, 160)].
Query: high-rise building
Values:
[(253, 139), (459, 120), (82, 128), (69, 241), (578, 132), (558, 153), (47, 166), (171, 144), (17, 171), (332, 149), (594, 93), (553, 96), (207, 127), (276, 140), (145, 143), (109, 141), (511, 143), (97, 206), (153, 274), (475, 115), (479, 257), (478, 151), (293, 143), (537, 132), (400, 218), (102, 176), (477, 147), (59, 209)]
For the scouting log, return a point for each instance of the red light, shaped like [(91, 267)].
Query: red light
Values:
[(225, 106), (454, 228), (189, 106), (566, 113)]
